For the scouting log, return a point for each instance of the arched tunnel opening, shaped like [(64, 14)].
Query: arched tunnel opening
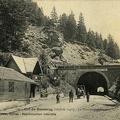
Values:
[(95, 83)]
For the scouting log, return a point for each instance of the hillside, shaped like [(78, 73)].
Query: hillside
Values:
[(29, 33), (51, 42)]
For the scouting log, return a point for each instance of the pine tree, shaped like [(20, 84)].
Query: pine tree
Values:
[(105, 45), (54, 16), (13, 24), (117, 51), (90, 41), (34, 14), (70, 30), (39, 17), (110, 51), (15, 16), (62, 23), (98, 41), (81, 30)]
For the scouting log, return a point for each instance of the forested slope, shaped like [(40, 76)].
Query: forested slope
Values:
[(26, 31)]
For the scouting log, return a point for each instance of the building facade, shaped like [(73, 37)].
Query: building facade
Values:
[(14, 85)]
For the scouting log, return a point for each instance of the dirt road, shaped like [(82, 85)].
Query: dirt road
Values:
[(99, 108)]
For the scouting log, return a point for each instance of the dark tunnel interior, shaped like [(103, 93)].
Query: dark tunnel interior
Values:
[(92, 82)]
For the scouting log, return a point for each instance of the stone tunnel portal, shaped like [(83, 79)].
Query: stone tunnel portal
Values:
[(94, 82)]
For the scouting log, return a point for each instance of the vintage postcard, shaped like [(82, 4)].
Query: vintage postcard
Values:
[(59, 59)]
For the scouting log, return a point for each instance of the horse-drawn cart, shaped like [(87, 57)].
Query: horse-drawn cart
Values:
[(80, 91)]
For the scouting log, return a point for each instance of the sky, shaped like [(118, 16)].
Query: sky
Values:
[(102, 16)]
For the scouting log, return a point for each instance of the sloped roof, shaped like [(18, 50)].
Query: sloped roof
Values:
[(25, 64), (20, 63), (10, 74), (30, 64)]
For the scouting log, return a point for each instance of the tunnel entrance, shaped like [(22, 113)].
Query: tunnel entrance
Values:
[(95, 83)]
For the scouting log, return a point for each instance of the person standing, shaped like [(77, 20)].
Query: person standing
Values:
[(71, 95), (58, 98), (87, 96)]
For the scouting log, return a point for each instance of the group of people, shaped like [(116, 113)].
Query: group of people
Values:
[(71, 96)]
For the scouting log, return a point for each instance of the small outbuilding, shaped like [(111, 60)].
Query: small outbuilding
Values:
[(26, 66), (29, 67), (14, 85)]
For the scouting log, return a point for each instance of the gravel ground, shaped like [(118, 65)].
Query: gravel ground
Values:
[(99, 108)]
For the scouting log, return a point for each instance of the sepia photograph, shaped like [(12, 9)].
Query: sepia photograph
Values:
[(59, 59)]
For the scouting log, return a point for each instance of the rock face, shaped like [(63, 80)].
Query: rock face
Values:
[(58, 51), (79, 54), (51, 49)]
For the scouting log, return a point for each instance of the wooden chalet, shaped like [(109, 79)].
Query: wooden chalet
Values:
[(14, 85), (30, 67)]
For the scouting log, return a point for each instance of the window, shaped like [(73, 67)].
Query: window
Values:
[(11, 86), (2, 87)]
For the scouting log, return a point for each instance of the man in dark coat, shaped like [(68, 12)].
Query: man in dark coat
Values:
[(71, 95), (58, 98), (87, 96)]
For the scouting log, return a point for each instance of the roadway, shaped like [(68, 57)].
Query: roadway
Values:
[(99, 108)]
